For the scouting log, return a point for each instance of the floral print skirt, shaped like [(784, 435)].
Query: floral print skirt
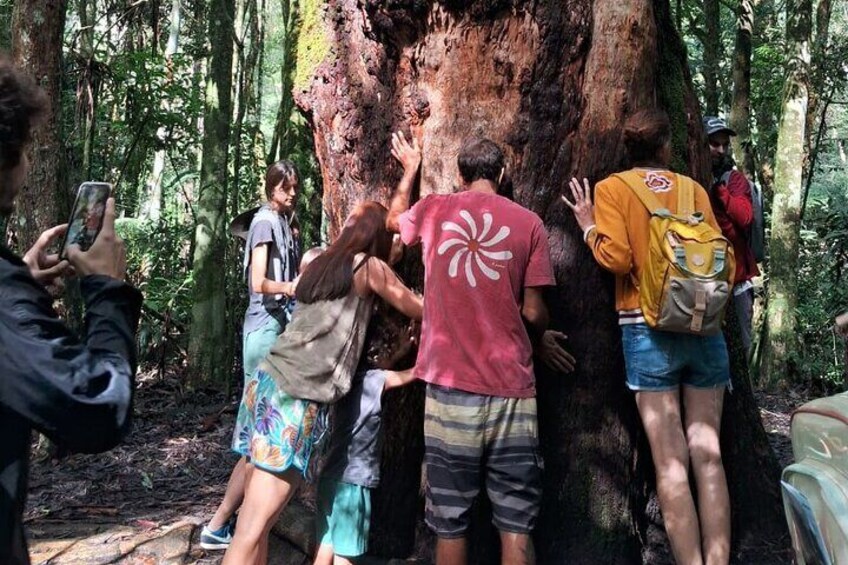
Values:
[(275, 431)]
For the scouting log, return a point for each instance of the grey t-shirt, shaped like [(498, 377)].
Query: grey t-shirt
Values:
[(262, 307), (354, 452)]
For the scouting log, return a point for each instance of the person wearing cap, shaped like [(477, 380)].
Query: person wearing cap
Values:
[(731, 200)]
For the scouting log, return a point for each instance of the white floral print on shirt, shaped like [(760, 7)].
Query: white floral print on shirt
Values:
[(473, 246)]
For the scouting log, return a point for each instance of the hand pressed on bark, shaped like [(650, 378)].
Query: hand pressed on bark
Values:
[(408, 154), (553, 354), (584, 210)]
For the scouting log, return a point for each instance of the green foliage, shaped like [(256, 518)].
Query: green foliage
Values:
[(157, 259)]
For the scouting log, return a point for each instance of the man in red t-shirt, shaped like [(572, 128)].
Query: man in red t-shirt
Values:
[(730, 197), (486, 262)]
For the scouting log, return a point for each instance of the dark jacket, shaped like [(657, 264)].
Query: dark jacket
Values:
[(734, 213), (76, 392)]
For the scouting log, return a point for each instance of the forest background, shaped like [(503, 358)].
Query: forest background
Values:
[(183, 103)]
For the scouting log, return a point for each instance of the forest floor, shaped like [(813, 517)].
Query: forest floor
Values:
[(146, 501)]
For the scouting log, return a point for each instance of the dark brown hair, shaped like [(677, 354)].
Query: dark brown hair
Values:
[(645, 134), (330, 275), (480, 159), (281, 171), (22, 102)]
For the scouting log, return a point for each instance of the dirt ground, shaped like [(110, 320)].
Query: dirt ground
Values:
[(145, 501)]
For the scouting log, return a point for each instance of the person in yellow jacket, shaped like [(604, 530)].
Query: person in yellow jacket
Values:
[(664, 369)]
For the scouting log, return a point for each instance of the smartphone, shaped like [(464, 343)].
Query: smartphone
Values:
[(86, 216)]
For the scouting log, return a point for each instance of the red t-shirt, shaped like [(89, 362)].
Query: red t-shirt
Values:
[(480, 252)]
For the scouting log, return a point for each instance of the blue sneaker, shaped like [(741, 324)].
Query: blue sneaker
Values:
[(218, 539)]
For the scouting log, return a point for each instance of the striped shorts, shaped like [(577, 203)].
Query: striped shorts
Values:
[(473, 440)]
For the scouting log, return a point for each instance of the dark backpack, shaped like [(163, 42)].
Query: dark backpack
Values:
[(757, 231)]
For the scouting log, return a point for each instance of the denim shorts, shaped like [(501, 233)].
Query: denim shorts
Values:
[(658, 361)]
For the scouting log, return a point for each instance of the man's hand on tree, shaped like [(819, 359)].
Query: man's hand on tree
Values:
[(408, 154), (46, 268), (552, 353)]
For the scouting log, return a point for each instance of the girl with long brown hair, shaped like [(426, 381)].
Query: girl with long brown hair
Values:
[(311, 365)]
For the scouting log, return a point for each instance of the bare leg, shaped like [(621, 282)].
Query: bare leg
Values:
[(451, 551), (660, 413), (339, 560), (324, 556), (517, 549), (265, 497), (233, 497), (703, 421)]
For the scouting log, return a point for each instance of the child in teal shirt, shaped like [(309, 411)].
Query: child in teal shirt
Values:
[(352, 467)]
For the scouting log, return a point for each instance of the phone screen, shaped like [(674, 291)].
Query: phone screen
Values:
[(87, 215)]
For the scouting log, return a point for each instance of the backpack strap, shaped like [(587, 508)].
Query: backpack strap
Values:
[(643, 193), (685, 195)]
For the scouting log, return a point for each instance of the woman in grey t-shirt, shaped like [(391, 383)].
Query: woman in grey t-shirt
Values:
[(272, 252)]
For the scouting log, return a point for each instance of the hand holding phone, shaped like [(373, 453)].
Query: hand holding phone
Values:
[(107, 255), (45, 267), (86, 216)]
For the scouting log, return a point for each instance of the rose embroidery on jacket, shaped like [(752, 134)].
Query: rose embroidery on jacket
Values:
[(473, 246), (657, 182)]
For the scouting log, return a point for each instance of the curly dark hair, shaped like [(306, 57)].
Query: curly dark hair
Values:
[(22, 102)]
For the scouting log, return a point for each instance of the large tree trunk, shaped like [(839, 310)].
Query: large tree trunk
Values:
[(209, 350), (786, 207), (552, 83), (37, 28), (740, 108)]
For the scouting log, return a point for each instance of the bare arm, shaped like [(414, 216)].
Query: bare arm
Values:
[(535, 313), (409, 156), (258, 274), (395, 379), (382, 280)]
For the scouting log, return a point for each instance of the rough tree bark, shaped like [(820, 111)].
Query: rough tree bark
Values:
[(552, 83), (784, 241), (209, 356), (37, 28), (740, 108)]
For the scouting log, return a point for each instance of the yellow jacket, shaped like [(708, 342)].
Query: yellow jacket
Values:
[(620, 239)]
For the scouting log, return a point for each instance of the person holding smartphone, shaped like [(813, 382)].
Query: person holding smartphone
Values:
[(76, 390)]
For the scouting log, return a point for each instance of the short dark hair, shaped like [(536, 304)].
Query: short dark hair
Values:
[(480, 159), (645, 134), (22, 102), (281, 171)]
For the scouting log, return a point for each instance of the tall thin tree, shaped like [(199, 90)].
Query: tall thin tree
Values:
[(712, 55), (740, 107), (786, 206), (209, 344), (152, 206)]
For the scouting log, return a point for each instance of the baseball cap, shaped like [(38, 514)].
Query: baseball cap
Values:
[(714, 124)]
